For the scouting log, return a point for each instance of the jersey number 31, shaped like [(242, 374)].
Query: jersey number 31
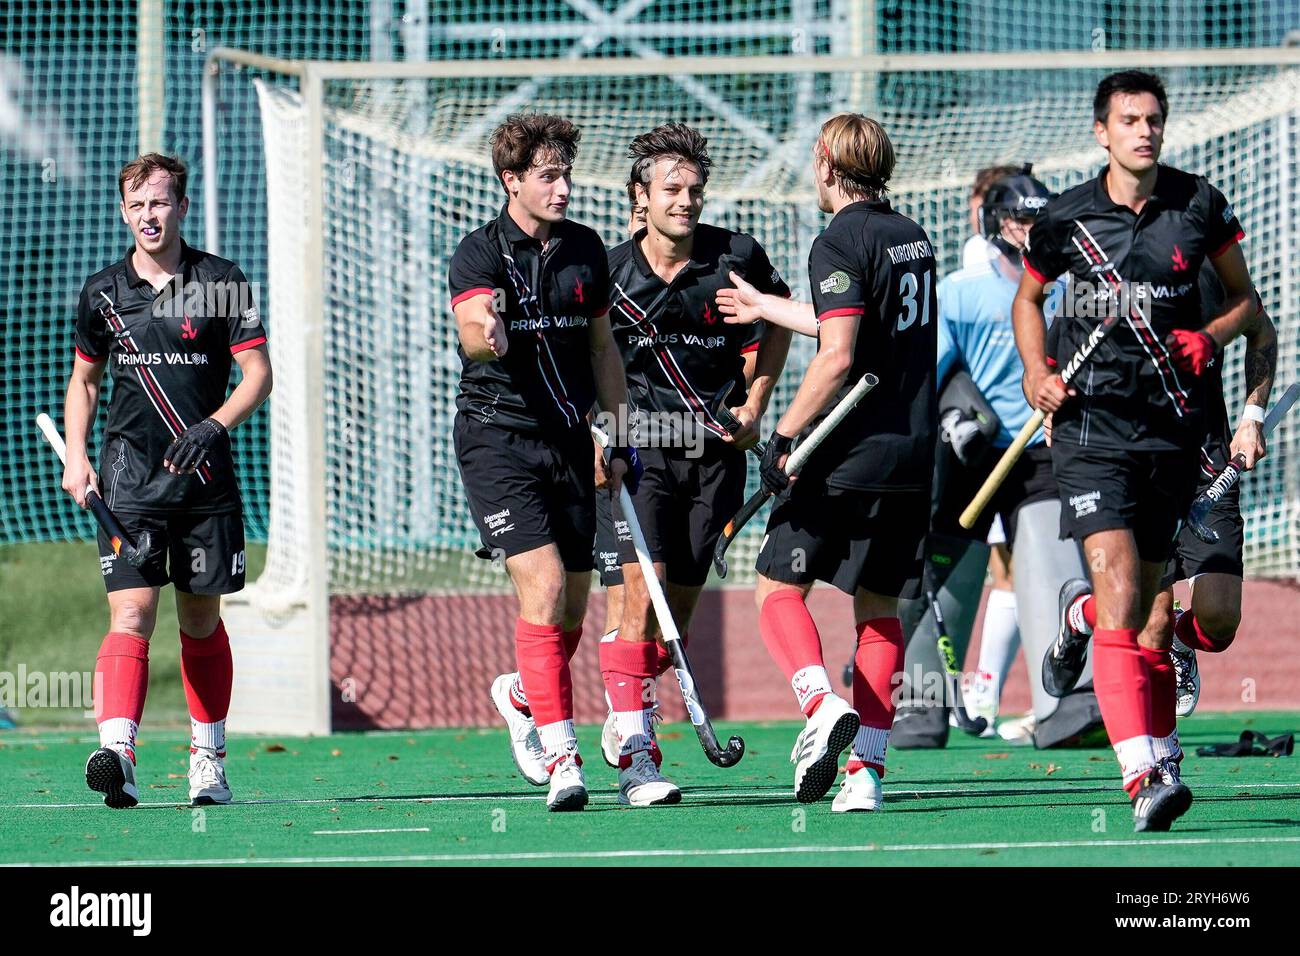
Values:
[(907, 286)]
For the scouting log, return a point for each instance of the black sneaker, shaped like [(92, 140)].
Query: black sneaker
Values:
[(112, 774), (919, 728), (1064, 661), (1158, 803)]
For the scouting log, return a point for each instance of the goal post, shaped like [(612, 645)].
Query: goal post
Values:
[(372, 600)]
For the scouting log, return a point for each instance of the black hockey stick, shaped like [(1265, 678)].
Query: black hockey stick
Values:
[(718, 755), (1231, 473), (730, 422), (136, 553), (948, 655), (792, 466)]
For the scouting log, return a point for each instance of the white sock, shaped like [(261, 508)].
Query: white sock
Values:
[(809, 683), (1136, 756), (633, 731), (558, 740), (1074, 614), (208, 736), (118, 733), (1167, 746), (517, 691), (1000, 636), (869, 745)]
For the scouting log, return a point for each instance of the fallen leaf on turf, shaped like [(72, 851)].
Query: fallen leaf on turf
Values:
[(275, 748), (288, 823), (175, 776), (1052, 768), (1035, 766), (996, 756), (981, 773), (1098, 759), (393, 757), (675, 735), (336, 752)]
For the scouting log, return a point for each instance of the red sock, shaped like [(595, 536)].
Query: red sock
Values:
[(664, 660), (121, 677), (1164, 691), (1189, 632), (207, 672), (628, 670), (544, 671), (878, 659), (1123, 689), (791, 637), (571, 640)]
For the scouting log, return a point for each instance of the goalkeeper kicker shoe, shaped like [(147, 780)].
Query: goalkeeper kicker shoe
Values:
[(1064, 661), (113, 774), (859, 791), (816, 754), (1158, 803), (207, 780), (640, 784), (1187, 676), (525, 745), (568, 785)]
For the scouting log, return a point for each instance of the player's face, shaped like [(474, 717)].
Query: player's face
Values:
[(1016, 231), (1134, 131), (636, 218), (154, 215), (674, 199), (543, 190)]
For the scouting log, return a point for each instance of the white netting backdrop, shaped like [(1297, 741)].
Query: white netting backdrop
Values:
[(407, 174)]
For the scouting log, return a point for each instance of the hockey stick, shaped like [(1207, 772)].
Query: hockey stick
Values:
[(730, 422), (717, 755), (136, 553), (948, 656), (1231, 473), (792, 466), (1009, 458)]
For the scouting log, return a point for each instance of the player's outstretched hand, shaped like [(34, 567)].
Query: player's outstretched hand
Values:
[(1249, 443), (191, 446), (77, 474), (741, 305), (494, 333), (1192, 351), (772, 470)]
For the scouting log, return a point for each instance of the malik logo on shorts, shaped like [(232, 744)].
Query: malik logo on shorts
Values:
[(1086, 504)]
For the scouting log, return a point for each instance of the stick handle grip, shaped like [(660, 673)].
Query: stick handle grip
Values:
[(999, 474)]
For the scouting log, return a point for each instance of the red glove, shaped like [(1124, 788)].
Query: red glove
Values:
[(1192, 351)]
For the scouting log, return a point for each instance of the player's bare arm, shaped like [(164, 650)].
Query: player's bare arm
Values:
[(1261, 368), (824, 378), (745, 305), (611, 391), (1043, 388), (79, 407), (482, 332), (762, 370)]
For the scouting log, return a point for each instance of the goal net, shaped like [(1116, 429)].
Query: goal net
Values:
[(373, 178)]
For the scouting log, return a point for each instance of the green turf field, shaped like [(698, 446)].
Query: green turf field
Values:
[(447, 796)]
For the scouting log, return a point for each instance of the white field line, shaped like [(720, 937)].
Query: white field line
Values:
[(892, 796), (682, 853)]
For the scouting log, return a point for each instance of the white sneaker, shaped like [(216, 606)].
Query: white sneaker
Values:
[(859, 791), (1187, 678), (113, 774), (525, 745), (816, 754), (568, 786), (642, 785), (207, 780), (611, 746)]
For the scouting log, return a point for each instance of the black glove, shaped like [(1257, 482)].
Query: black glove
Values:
[(770, 472), (190, 447), (632, 477)]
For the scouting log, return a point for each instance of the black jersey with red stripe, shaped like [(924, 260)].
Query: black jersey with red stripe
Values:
[(678, 351), (1145, 266), (169, 353), (876, 263), (547, 298)]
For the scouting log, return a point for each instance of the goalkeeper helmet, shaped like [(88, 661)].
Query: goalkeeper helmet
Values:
[(1018, 196)]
